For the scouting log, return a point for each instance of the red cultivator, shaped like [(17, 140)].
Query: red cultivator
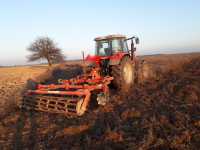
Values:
[(70, 97)]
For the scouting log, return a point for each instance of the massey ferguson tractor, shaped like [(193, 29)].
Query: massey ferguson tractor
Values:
[(113, 66)]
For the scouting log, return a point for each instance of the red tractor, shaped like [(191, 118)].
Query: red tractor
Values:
[(115, 59), (113, 64)]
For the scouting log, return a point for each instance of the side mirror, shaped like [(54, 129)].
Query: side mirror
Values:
[(137, 41)]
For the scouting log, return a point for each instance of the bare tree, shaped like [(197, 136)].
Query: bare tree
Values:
[(45, 48)]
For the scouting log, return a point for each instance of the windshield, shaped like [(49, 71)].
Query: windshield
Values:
[(103, 48), (116, 45)]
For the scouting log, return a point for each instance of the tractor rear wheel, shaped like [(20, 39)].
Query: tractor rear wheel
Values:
[(124, 74)]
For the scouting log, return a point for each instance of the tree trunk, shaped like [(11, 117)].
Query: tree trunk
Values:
[(49, 62)]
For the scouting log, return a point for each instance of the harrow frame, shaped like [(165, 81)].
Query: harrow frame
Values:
[(80, 87)]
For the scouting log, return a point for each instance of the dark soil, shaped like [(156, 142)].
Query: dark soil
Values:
[(159, 114)]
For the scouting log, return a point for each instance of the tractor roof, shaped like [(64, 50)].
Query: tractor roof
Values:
[(108, 37)]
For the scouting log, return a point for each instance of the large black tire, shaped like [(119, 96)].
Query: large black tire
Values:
[(124, 75)]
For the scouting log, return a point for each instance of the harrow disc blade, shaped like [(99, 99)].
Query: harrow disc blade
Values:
[(67, 105)]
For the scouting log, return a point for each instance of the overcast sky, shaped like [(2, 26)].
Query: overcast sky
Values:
[(163, 26)]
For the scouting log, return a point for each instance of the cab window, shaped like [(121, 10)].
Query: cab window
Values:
[(116, 45), (103, 48), (125, 46)]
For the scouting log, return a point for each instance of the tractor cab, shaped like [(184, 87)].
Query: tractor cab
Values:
[(109, 45), (112, 44)]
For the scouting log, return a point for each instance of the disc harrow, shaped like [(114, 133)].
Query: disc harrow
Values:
[(69, 97)]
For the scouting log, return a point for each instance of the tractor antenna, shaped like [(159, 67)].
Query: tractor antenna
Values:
[(83, 59)]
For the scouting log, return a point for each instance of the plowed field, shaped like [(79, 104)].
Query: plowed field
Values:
[(161, 113)]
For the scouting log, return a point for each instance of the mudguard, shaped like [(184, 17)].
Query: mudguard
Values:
[(116, 59)]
